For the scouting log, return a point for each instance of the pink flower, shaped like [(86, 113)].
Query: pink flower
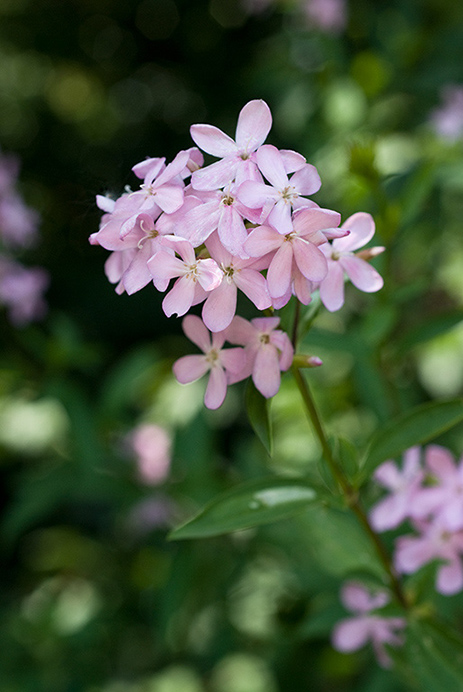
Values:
[(327, 15), (444, 500), (354, 632), (254, 123), (448, 119), (297, 251), (278, 199), (220, 305), (21, 291), (152, 447), (435, 542), (269, 351), (197, 276), (341, 258), (216, 360), (391, 511)]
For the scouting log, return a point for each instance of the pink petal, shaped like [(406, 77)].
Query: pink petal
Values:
[(363, 275), (280, 217), (310, 260), (310, 219), (266, 371), (164, 266), (254, 123), (138, 275), (412, 553), (220, 306), (190, 368), (388, 475), (200, 222), (196, 332), (254, 194), (149, 167), (279, 271), (232, 231), (169, 198), (306, 180), (254, 286), (362, 229), (217, 251), (212, 140), (216, 389), (241, 331), (281, 340), (358, 599), (180, 298), (292, 161), (215, 176), (209, 274), (390, 512), (351, 634), (440, 462), (262, 240), (332, 287), (233, 359), (271, 165), (105, 203), (450, 578)]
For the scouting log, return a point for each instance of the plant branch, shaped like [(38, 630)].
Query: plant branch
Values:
[(349, 491)]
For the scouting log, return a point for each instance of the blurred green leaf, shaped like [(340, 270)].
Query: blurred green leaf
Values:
[(258, 410), (338, 543), (428, 330), (248, 505), (415, 427), (434, 655)]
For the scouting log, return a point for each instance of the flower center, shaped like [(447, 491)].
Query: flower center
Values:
[(192, 271), (288, 194), (228, 272), (213, 356), (264, 338), (227, 199)]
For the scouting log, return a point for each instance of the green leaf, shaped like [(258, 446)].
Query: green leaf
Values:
[(258, 410), (250, 504), (415, 427), (434, 655), (337, 542), (430, 329)]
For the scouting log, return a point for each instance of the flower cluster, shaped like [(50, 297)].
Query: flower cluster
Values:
[(21, 288), (367, 624), (430, 496), (243, 223)]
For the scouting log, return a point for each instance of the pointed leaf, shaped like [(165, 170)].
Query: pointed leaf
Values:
[(251, 504), (434, 655), (415, 427), (258, 410)]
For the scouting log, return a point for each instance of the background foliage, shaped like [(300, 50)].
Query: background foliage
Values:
[(93, 596)]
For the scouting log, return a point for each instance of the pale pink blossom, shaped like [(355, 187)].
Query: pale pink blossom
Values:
[(326, 15), (21, 291), (283, 194), (404, 487), (366, 625), (435, 542), (443, 500), (220, 305), (447, 120), (151, 445), (342, 259), (236, 161), (269, 351), (224, 213), (216, 360), (196, 276), (297, 251)]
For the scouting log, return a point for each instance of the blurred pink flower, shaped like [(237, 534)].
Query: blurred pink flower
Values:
[(404, 487), (447, 120), (151, 445), (21, 291), (354, 632), (326, 15)]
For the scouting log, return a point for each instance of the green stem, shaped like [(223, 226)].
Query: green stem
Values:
[(349, 491)]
